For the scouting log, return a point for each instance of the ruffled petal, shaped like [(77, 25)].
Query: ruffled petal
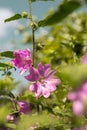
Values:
[(36, 88), (34, 74), (43, 68), (45, 91), (52, 84)]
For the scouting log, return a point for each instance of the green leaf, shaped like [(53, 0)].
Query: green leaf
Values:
[(63, 11), (8, 54), (15, 17), (4, 64)]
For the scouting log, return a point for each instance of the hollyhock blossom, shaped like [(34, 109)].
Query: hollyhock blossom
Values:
[(43, 80), (79, 99), (24, 107), (22, 60)]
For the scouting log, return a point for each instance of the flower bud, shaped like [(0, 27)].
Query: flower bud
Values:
[(24, 14)]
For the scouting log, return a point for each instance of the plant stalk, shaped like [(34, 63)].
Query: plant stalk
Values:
[(33, 33)]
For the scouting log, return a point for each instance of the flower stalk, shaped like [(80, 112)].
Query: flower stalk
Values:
[(33, 32)]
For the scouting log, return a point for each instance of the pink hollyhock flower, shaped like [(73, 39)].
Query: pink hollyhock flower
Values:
[(24, 107), (43, 80), (22, 60)]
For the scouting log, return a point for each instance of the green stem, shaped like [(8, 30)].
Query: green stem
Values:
[(13, 101), (33, 32), (33, 40), (30, 9)]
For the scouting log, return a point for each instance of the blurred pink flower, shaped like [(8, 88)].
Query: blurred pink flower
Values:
[(10, 118), (22, 60), (84, 59), (79, 99), (76, 129), (24, 107), (72, 96), (78, 107), (81, 128), (43, 80)]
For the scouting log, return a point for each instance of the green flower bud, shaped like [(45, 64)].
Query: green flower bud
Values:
[(24, 14)]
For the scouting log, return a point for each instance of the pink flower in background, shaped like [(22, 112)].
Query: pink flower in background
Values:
[(81, 128), (24, 107), (22, 60), (84, 59), (43, 80), (77, 129), (78, 107), (79, 99), (10, 118), (72, 96)]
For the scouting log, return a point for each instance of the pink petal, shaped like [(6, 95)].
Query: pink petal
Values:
[(52, 84), (84, 59), (43, 68), (45, 92), (82, 95), (34, 75), (78, 107), (72, 96), (36, 88), (50, 74), (84, 86), (24, 107), (22, 71)]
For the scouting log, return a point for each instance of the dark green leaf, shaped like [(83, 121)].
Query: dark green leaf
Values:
[(63, 11), (15, 17), (8, 54)]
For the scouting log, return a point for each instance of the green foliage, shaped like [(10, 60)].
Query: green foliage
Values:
[(66, 42), (6, 85), (73, 74), (42, 120), (3, 112), (62, 12)]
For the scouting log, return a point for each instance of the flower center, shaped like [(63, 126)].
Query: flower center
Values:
[(42, 81), (26, 60)]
